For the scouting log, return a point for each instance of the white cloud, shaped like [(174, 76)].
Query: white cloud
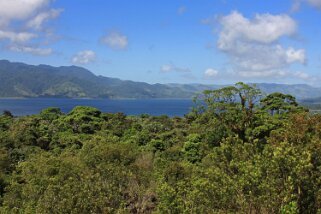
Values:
[(84, 57), (38, 21), (253, 44), (212, 20), (293, 55), (303, 75), (115, 40), (166, 68), (210, 73), (22, 25), (32, 50), (257, 57), (264, 28), (297, 4), (266, 74), (181, 10), (17, 37), (173, 68), (276, 75), (20, 9), (315, 3)]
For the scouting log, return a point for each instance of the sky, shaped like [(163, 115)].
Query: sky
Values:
[(169, 41)]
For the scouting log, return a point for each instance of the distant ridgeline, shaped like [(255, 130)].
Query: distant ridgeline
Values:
[(22, 80)]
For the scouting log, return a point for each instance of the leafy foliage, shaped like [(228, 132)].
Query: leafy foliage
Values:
[(238, 151)]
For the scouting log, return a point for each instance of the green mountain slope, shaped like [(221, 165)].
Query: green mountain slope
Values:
[(22, 80)]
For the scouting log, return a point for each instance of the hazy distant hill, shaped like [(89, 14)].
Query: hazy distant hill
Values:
[(22, 80), (301, 91)]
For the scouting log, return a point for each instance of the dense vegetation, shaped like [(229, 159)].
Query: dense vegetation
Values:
[(22, 80), (236, 152)]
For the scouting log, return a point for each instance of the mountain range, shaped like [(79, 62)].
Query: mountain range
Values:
[(23, 80)]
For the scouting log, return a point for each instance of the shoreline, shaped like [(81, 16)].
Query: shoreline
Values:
[(89, 98)]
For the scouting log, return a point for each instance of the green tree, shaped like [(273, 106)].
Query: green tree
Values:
[(278, 103)]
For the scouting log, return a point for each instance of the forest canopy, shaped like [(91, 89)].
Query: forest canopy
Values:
[(238, 151)]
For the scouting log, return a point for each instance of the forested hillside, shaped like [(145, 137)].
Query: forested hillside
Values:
[(22, 80), (238, 151)]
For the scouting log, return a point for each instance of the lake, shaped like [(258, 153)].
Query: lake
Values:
[(170, 107)]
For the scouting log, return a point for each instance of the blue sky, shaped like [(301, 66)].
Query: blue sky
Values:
[(166, 41)]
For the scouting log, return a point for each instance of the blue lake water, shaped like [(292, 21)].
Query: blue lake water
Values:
[(170, 107)]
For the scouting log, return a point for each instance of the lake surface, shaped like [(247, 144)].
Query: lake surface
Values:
[(170, 107)]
